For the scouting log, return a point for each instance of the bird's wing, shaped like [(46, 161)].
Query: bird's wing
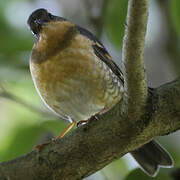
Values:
[(102, 53)]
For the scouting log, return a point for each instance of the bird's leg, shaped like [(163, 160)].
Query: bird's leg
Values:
[(70, 126), (40, 146), (81, 122)]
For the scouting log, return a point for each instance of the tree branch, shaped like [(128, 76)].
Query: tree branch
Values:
[(133, 55), (86, 150)]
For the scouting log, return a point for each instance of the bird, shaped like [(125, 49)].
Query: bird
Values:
[(77, 79)]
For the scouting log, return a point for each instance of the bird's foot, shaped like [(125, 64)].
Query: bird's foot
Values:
[(86, 122), (41, 146)]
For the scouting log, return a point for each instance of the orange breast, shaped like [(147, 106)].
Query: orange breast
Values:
[(72, 82), (70, 78)]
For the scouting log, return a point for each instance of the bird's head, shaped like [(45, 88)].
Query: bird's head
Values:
[(52, 33), (41, 18)]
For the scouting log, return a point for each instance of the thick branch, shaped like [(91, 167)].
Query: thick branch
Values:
[(86, 150), (133, 55)]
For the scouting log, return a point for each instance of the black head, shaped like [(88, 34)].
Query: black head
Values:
[(41, 17)]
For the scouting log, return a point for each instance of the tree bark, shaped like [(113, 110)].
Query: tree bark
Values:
[(133, 57)]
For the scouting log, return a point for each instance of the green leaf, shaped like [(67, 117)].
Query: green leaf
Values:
[(175, 14), (115, 22), (138, 174)]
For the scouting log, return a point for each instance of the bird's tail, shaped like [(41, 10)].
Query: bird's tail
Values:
[(151, 157)]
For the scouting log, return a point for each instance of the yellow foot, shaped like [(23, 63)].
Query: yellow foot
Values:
[(70, 126), (87, 121), (41, 146)]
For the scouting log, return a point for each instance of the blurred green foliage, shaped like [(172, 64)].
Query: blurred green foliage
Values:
[(116, 21), (21, 128), (175, 14)]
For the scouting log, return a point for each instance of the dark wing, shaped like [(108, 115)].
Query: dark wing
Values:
[(102, 53)]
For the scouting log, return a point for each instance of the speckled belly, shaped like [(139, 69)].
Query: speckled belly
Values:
[(76, 85)]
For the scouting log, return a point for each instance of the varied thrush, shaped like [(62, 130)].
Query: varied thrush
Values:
[(77, 79)]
